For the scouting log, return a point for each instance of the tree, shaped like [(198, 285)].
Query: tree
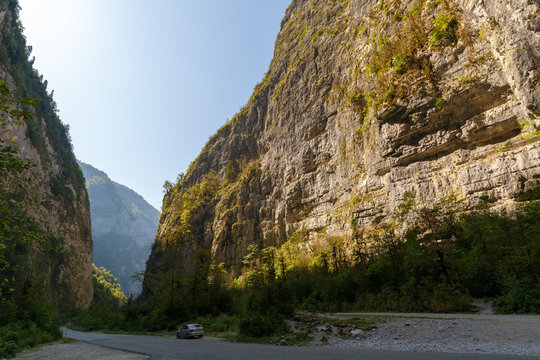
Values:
[(10, 105), (231, 170), (167, 187), (180, 178)]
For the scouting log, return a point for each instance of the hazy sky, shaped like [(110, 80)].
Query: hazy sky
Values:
[(144, 84)]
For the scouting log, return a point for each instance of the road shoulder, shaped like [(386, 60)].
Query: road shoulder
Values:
[(79, 351)]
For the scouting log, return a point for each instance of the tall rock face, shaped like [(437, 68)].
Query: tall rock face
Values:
[(123, 227), (367, 102), (54, 189)]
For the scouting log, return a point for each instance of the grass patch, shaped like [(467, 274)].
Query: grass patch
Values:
[(440, 103)]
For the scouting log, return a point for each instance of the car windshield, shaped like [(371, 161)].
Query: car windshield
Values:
[(194, 325)]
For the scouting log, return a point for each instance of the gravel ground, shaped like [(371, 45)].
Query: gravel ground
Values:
[(501, 336), (79, 351)]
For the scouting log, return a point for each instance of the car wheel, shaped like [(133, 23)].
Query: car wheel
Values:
[(177, 335)]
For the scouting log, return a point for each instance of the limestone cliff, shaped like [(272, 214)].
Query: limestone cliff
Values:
[(54, 189), (366, 101), (123, 227)]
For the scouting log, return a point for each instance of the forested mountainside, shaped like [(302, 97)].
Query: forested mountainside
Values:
[(368, 106), (123, 227), (45, 235), (49, 189)]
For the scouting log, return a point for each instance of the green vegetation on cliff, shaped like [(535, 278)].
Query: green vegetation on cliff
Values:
[(55, 194), (437, 265), (27, 307), (34, 263), (106, 287), (14, 57)]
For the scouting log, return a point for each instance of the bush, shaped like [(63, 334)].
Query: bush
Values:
[(447, 298), (258, 324), (27, 322), (518, 299), (221, 323), (8, 349), (22, 335)]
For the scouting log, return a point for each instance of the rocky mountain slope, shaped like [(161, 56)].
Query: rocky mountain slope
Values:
[(367, 103), (123, 227), (53, 189)]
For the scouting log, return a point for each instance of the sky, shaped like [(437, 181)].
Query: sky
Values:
[(144, 84)]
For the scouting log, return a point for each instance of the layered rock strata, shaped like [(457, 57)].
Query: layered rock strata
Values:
[(366, 101)]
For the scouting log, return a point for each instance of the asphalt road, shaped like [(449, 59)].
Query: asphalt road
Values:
[(206, 348)]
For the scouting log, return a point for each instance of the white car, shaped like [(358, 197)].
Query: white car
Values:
[(190, 331)]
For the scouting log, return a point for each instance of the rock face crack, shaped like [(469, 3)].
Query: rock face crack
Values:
[(434, 134)]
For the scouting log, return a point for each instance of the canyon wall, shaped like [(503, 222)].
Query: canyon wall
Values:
[(366, 103), (53, 188)]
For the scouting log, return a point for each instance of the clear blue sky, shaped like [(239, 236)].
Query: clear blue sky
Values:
[(144, 84)]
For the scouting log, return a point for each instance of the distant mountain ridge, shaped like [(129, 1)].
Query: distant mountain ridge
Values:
[(139, 206), (123, 227)]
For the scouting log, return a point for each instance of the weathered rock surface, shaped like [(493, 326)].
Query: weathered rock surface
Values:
[(123, 227), (55, 194), (364, 102)]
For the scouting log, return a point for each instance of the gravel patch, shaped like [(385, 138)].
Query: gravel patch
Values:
[(79, 351), (504, 336)]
